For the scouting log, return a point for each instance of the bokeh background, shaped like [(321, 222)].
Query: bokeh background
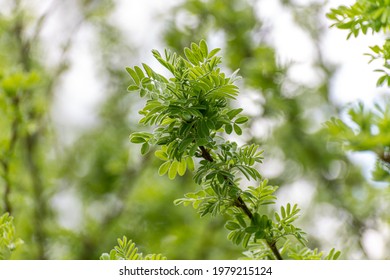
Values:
[(73, 181)]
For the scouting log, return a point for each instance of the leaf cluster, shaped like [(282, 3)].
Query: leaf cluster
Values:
[(190, 114), (259, 251), (261, 226), (362, 16), (369, 131), (382, 53), (127, 250), (8, 241), (188, 108), (367, 15)]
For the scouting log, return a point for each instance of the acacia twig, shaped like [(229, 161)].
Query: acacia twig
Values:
[(240, 203)]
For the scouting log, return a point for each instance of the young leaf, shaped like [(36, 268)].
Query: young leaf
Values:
[(137, 139), (145, 148), (161, 155), (164, 168), (241, 120), (232, 225), (190, 163), (133, 75), (173, 170), (203, 48), (232, 113), (132, 88), (181, 169), (237, 129), (228, 128), (213, 52)]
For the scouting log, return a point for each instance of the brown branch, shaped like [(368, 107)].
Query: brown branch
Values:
[(274, 249)]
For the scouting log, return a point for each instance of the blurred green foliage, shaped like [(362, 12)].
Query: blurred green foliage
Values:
[(72, 200), (8, 240), (369, 130)]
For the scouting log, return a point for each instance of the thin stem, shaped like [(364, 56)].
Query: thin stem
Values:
[(240, 203)]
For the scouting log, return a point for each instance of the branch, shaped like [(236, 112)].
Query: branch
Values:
[(240, 203), (274, 249)]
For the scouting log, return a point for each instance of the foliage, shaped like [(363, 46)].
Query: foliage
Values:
[(8, 240), (367, 15), (127, 250), (64, 179), (362, 16), (369, 130), (287, 108), (190, 113)]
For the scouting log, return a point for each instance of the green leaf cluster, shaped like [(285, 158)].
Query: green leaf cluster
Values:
[(12, 83), (127, 250), (188, 108), (362, 16), (369, 131), (190, 115), (367, 15), (307, 254), (382, 53), (261, 226), (8, 240)]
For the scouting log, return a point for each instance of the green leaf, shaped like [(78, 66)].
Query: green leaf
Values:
[(213, 52), (241, 220), (228, 128), (336, 255), (232, 113), (181, 169), (203, 130), (251, 229), (246, 239), (190, 163), (148, 70), (164, 168), (203, 48), (133, 75), (173, 170), (376, 49), (232, 225), (381, 80), (202, 142), (137, 139), (139, 72), (241, 120), (145, 148), (237, 129), (190, 56), (185, 143), (161, 155), (132, 88)]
